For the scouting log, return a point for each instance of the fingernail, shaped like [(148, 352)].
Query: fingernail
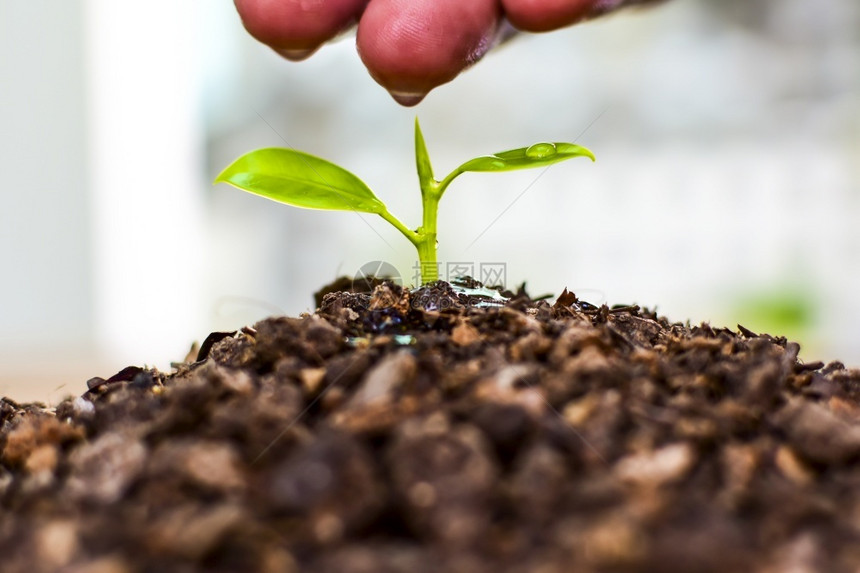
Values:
[(296, 55), (407, 99)]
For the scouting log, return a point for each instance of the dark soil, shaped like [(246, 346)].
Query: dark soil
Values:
[(379, 436)]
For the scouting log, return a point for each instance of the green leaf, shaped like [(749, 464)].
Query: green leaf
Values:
[(536, 155), (422, 159), (301, 180)]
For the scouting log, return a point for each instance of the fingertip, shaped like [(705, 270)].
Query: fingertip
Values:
[(546, 15), (296, 29), (412, 46)]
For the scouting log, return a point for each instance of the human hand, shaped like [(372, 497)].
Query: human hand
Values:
[(410, 46)]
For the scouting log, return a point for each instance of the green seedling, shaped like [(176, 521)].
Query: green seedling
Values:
[(303, 180)]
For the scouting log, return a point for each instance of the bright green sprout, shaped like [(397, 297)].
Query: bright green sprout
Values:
[(303, 180)]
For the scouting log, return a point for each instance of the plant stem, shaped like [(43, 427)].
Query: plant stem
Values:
[(407, 232), (442, 185), (427, 240)]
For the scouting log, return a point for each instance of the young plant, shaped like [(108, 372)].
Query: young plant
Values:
[(303, 180)]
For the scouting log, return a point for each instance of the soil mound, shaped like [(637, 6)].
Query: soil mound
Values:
[(435, 431)]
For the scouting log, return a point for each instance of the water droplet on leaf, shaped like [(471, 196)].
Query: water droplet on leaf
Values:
[(541, 151)]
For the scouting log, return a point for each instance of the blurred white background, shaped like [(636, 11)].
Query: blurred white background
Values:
[(727, 186)]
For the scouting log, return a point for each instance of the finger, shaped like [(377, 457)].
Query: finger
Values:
[(412, 46), (297, 28), (545, 15)]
